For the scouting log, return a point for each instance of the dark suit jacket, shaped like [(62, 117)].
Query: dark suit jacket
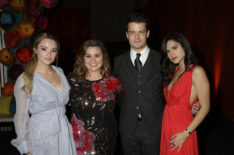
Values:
[(141, 92)]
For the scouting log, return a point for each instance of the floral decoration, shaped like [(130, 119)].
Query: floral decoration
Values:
[(24, 54), (17, 5), (48, 3), (84, 140), (15, 71), (12, 38), (107, 89), (8, 89), (25, 29), (6, 57), (4, 3), (7, 19)]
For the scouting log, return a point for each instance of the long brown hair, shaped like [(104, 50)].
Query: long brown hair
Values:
[(79, 67), (32, 64)]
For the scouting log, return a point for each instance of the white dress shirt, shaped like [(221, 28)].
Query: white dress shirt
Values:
[(144, 55)]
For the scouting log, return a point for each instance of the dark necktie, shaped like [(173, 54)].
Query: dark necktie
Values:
[(138, 64)]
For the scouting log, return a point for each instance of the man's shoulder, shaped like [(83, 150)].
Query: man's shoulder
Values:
[(155, 54), (121, 57), (125, 54)]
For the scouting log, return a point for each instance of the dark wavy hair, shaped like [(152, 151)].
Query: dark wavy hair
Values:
[(79, 67), (168, 67), (138, 17)]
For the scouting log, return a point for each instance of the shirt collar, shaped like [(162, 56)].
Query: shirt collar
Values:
[(144, 54)]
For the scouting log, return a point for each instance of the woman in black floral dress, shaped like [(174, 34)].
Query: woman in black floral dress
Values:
[(92, 99)]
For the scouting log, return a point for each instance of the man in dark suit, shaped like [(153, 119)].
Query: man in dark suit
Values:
[(141, 101)]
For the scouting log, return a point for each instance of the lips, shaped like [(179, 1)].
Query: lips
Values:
[(174, 58), (93, 65), (48, 59), (138, 41)]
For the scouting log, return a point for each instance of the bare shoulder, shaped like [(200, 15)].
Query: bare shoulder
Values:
[(198, 70), (199, 73)]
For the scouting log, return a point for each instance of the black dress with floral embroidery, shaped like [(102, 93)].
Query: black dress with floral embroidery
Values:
[(93, 102)]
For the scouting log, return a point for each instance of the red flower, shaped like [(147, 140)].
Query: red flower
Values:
[(105, 90)]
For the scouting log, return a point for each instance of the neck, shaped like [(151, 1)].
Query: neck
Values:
[(93, 76), (41, 68), (182, 65)]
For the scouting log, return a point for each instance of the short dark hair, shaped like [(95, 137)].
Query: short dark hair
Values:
[(138, 18)]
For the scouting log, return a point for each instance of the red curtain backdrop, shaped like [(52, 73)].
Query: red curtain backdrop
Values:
[(208, 24)]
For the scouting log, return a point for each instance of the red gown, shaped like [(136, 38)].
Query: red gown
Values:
[(177, 116)]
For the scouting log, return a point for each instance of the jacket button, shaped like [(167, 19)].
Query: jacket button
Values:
[(139, 91)]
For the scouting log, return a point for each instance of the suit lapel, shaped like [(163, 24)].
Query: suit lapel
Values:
[(131, 72), (147, 69)]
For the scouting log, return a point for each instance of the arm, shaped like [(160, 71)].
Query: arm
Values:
[(21, 117), (202, 87)]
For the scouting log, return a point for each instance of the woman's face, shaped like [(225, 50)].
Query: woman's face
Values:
[(93, 59), (46, 51), (175, 52)]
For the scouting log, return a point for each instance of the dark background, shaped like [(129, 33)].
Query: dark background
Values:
[(208, 25)]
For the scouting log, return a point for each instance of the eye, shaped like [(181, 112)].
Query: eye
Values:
[(54, 50), (174, 47), (43, 49), (142, 31), (87, 56), (97, 55), (168, 51)]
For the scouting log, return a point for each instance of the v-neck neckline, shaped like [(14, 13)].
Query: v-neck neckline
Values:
[(169, 91), (61, 83)]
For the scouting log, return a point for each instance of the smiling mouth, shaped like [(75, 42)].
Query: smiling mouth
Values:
[(93, 65)]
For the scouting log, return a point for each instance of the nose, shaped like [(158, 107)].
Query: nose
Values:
[(49, 53), (93, 59), (137, 36)]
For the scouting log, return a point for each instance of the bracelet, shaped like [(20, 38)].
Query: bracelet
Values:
[(189, 132)]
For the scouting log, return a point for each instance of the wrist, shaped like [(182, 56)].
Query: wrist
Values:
[(188, 131)]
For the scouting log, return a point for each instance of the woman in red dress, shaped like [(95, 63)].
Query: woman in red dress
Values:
[(184, 83)]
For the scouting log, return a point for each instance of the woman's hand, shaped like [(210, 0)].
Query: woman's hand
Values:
[(178, 140)]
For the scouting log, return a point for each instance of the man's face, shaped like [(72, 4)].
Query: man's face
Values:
[(137, 35)]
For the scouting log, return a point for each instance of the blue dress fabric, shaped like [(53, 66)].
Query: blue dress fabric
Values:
[(47, 130)]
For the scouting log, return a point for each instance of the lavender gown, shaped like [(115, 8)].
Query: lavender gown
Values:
[(47, 131)]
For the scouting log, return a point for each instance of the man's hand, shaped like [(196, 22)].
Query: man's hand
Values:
[(196, 107)]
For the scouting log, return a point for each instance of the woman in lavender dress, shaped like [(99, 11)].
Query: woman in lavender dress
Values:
[(41, 93)]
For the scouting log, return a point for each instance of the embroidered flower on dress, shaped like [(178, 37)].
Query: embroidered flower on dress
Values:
[(105, 89), (84, 140)]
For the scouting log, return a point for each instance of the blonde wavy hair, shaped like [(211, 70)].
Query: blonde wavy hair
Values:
[(32, 64), (79, 67)]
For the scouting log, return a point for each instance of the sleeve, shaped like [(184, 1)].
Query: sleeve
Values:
[(21, 117), (118, 86)]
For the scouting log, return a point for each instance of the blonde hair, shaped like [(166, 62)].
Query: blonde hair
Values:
[(32, 64), (79, 67)]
